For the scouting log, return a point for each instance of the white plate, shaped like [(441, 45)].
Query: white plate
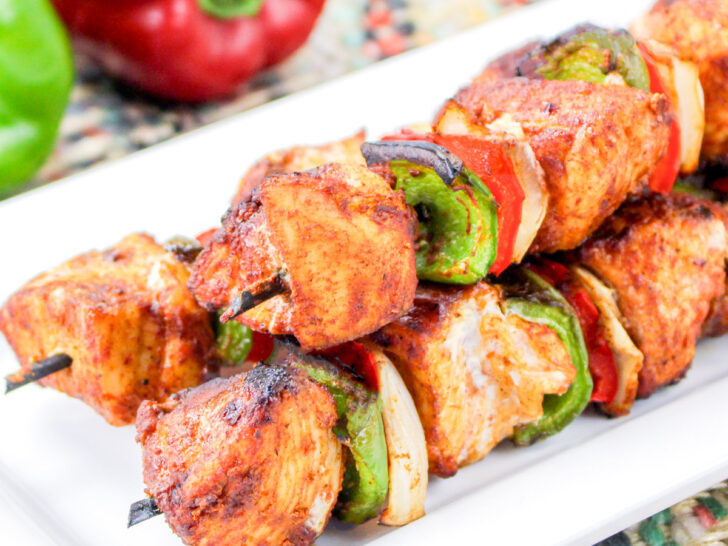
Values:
[(68, 478)]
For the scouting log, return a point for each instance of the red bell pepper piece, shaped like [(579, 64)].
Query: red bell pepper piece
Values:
[(357, 358), (721, 184), (204, 237), (188, 50), (261, 348), (667, 169), (495, 170), (602, 367)]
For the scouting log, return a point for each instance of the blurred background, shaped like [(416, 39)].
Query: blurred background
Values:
[(108, 117)]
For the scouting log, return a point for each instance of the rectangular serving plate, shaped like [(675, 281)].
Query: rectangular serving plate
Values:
[(68, 478)]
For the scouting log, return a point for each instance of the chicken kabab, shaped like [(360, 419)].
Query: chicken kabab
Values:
[(325, 255), (664, 257), (300, 158), (132, 329), (596, 144), (260, 465), (717, 322), (299, 422), (598, 55), (475, 370), (697, 31)]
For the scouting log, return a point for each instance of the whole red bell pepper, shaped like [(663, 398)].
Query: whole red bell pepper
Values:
[(188, 50)]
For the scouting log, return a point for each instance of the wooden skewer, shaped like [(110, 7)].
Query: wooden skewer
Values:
[(247, 300), (142, 511), (38, 370)]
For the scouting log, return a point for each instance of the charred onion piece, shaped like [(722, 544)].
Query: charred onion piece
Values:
[(247, 300), (142, 510), (444, 163), (38, 370)]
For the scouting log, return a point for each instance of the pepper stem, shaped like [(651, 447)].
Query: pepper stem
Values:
[(228, 9)]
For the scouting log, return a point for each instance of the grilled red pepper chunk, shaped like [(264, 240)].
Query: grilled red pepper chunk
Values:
[(357, 358), (668, 168), (602, 367), (261, 348), (189, 50)]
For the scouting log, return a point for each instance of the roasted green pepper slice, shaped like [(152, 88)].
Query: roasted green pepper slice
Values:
[(589, 53), (533, 299), (360, 427), (457, 238), (233, 341)]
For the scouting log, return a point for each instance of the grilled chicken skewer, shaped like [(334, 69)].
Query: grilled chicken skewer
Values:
[(474, 370), (280, 425), (126, 320), (549, 364), (298, 228), (697, 32), (665, 259), (264, 464)]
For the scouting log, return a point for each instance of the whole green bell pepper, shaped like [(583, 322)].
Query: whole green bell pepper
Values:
[(360, 427), (36, 74), (535, 300)]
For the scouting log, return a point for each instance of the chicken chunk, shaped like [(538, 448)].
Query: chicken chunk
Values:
[(717, 322), (664, 256), (247, 460), (300, 158), (338, 238), (125, 317), (698, 31), (596, 143), (473, 372)]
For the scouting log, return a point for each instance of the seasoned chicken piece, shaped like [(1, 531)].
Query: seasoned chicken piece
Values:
[(665, 259), (698, 31), (717, 322), (473, 372), (247, 460), (505, 66), (596, 143), (339, 240), (125, 317), (300, 158)]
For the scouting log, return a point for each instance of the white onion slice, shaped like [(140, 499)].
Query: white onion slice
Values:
[(455, 120), (682, 82), (406, 447), (627, 356)]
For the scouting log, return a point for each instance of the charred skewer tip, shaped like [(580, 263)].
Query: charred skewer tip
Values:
[(38, 370), (247, 300), (142, 510)]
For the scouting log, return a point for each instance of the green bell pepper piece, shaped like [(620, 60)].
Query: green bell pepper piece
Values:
[(591, 53), (543, 304), (36, 74), (360, 428), (682, 185), (458, 234), (233, 340)]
